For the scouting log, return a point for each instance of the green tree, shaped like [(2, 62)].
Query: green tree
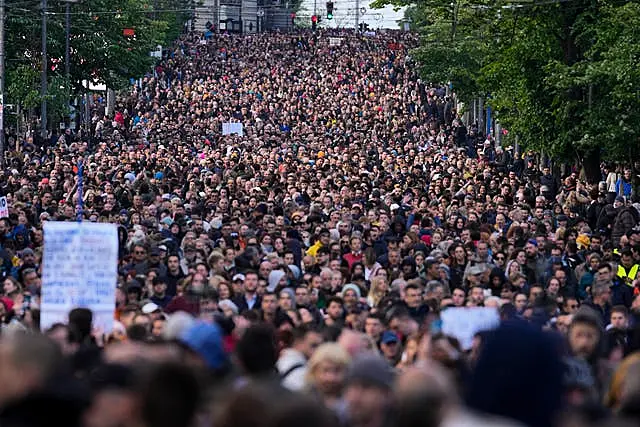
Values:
[(562, 76), (100, 50)]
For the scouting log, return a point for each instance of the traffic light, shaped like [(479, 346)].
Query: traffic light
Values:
[(314, 21), (329, 10)]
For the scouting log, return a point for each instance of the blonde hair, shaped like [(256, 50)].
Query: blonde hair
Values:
[(328, 352), (375, 294), (616, 387)]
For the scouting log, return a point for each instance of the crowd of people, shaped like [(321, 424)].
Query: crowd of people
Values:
[(296, 273)]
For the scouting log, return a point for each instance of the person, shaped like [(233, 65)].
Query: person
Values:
[(257, 353), (27, 364), (368, 392), (616, 338), (628, 268), (584, 337), (326, 374), (413, 300), (601, 301), (292, 363), (249, 298)]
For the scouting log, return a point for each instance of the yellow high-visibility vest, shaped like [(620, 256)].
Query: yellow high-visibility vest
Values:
[(629, 276)]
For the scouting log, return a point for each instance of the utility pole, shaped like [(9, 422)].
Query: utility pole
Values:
[(43, 88), (357, 15), (67, 34), (67, 49), (2, 4)]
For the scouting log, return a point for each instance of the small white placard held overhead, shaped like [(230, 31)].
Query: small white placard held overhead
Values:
[(231, 128), (4, 207), (463, 323), (80, 269)]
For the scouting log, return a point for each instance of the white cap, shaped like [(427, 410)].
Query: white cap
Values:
[(238, 277), (149, 308)]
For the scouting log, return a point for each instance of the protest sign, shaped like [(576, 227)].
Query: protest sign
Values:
[(4, 207), (80, 269), (231, 128), (463, 323)]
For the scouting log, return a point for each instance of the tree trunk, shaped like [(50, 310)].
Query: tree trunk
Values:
[(591, 166)]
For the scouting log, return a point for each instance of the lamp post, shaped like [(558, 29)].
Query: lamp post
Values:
[(67, 39)]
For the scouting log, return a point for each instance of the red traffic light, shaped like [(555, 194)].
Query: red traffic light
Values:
[(314, 18)]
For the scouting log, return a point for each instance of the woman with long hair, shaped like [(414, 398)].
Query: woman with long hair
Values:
[(371, 265), (378, 290)]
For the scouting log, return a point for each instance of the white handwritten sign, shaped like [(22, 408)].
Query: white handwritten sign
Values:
[(231, 128), (4, 207), (80, 269), (463, 323)]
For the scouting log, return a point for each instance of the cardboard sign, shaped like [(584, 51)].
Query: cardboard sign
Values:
[(4, 207), (464, 322), (231, 128), (80, 269)]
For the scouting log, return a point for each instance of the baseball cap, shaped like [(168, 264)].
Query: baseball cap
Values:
[(150, 307), (389, 337), (238, 277)]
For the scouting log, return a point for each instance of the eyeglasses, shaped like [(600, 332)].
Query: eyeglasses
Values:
[(139, 252), (574, 306)]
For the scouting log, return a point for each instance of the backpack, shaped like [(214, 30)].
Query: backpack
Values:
[(288, 372)]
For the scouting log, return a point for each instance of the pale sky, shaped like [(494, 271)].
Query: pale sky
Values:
[(344, 14)]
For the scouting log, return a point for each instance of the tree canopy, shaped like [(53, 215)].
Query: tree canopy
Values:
[(562, 75), (100, 49)]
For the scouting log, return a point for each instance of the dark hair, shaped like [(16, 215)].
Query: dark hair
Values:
[(620, 309), (300, 332), (257, 350), (161, 406), (80, 320), (334, 299), (412, 286), (251, 273)]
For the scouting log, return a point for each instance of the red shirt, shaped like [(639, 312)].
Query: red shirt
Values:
[(352, 258)]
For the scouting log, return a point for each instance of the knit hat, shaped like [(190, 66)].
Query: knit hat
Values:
[(274, 279), (353, 287), (205, 339), (583, 241), (295, 270), (292, 295), (369, 369), (227, 303), (177, 324)]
